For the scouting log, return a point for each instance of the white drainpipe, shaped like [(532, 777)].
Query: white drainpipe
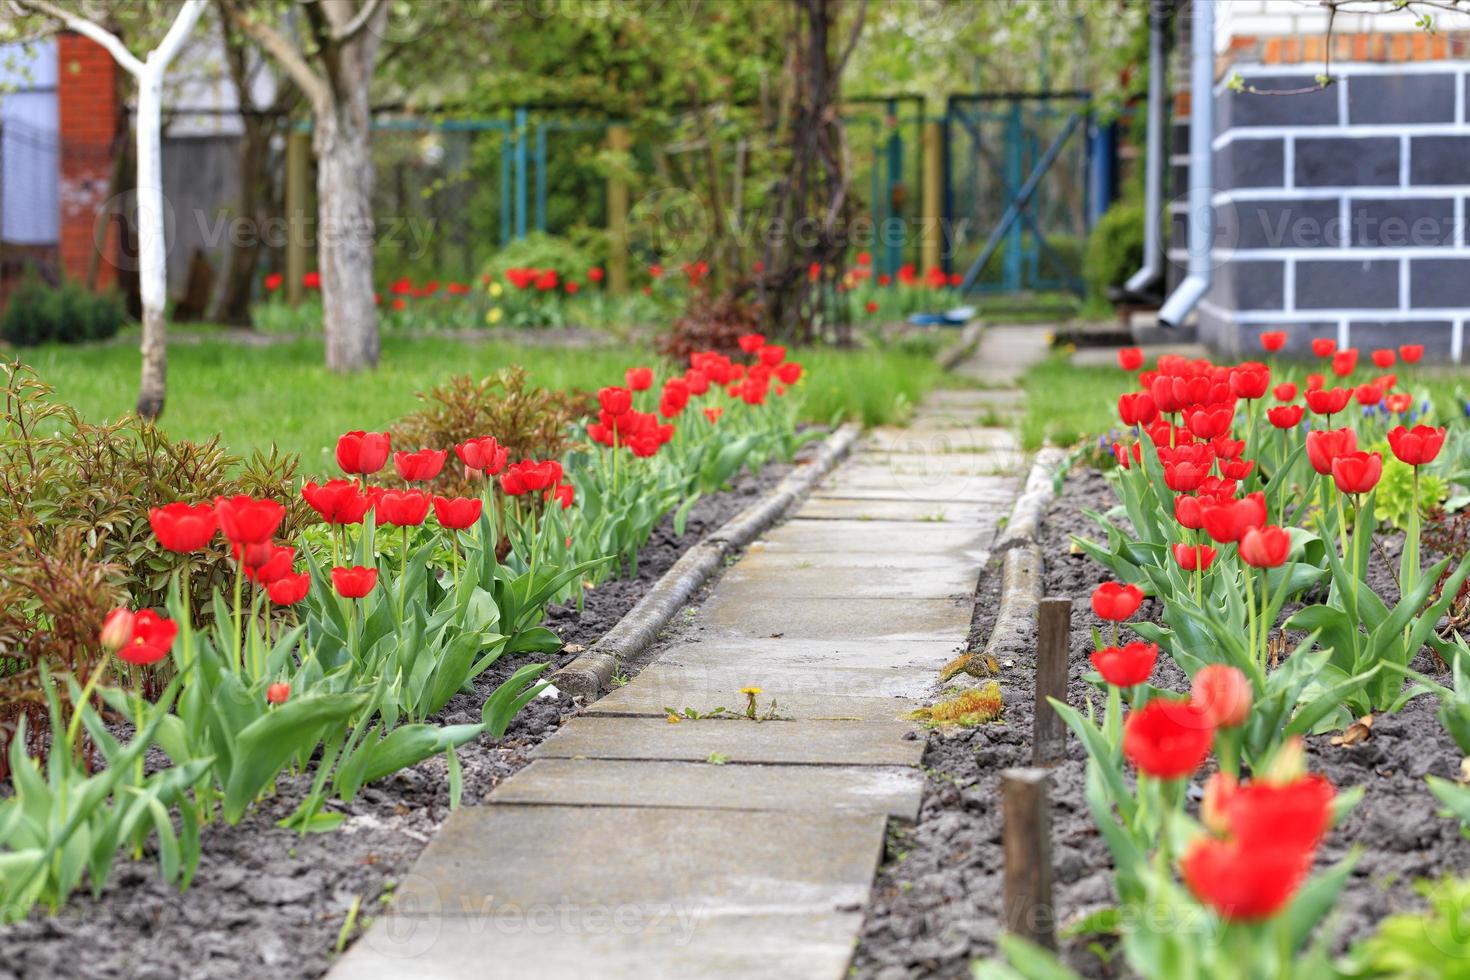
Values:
[(1201, 166)]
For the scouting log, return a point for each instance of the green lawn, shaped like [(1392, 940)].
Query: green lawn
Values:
[(1065, 403), (254, 396)]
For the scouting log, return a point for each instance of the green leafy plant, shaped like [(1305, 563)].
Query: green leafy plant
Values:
[(37, 313)]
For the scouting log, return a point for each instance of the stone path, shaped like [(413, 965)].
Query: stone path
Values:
[(724, 848)]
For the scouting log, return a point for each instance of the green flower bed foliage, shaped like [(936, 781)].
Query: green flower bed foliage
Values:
[(542, 251), (1115, 248), (68, 314)]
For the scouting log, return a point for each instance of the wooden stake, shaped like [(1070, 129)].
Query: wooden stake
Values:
[(1026, 829), (619, 140), (298, 222), (1054, 634)]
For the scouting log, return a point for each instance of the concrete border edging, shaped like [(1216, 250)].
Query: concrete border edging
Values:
[(592, 672), (1021, 571), (967, 344)]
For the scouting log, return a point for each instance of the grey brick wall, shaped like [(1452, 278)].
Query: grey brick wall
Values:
[(1340, 213)]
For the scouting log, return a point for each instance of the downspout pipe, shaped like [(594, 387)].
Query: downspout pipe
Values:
[(1188, 293), (1153, 178)]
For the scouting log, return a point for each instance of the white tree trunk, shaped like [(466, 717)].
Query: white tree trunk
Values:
[(152, 246), (345, 237)]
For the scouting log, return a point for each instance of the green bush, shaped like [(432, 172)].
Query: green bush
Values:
[(40, 314), (1115, 250), (542, 251)]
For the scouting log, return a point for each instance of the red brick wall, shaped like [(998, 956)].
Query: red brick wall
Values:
[(87, 97)]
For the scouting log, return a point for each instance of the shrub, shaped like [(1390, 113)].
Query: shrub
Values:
[(711, 324), (1115, 250), (68, 314)]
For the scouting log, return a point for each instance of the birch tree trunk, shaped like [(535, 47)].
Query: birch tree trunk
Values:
[(340, 138), (152, 248)]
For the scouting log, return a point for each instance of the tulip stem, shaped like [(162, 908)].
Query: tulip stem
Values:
[(239, 587), (402, 572), (1250, 605), (87, 690)]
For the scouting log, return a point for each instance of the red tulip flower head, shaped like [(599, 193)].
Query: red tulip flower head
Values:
[(1345, 362), (1265, 547), (639, 378), (457, 513), (1328, 401), (1137, 408), (117, 629), (713, 414), (245, 520), (152, 637), (1130, 358), (416, 467), (1128, 665), (1416, 446), (1273, 340), (1250, 380), (1222, 694), (1116, 601), (355, 581), (1323, 347), (1411, 353), (402, 508), (278, 693), (751, 342), (182, 528), (363, 452), (264, 563), (288, 589), (337, 501), (565, 494), (1384, 358), (1285, 392), (1357, 472), (789, 373), (1191, 557), (1285, 416), (484, 456), (1167, 739), (1227, 521), (1325, 445)]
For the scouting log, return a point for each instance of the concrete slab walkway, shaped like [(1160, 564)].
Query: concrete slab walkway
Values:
[(726, 847)]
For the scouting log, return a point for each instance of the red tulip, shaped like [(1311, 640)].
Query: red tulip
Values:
[(872, 306), (1344, 362), (615, 401), (182, 528), (273, 282), (264, 563), (1368, 394), (771, 354), (337, 501), (416, 467), (789, 373), (1411, 353), (288, 589), (152, 637), (1325, 445), (457, 513), (1127, 665), (363, 452), (117, 629), (1222, 694), (278, 693), (1244, 884), (484, 456), (1293, 814), (1185, 477), (1285, 416), (1384, 358), (1357, 472), (1328, 401), (751, 342), (1265, 547), (1315, 382), (1416, 446), (1285, 392), (1236, 469), (595, 274), (713, 414), (1137, 408), (402, 508), (1123, 453), (1228, 520), (528, 476), (1130, 358), (564, 494), (1189, 513), (1116, 601), (1273, 340), (1167, 739), (1191, 557), (1207, 423), (354, 582), (639, 378), (245, 520), (1250, 380), (1323, 347)]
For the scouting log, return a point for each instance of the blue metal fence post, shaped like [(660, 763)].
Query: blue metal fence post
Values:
[(894, 242), (541, 177), (1015, 139), (505, 151), (520, 128)]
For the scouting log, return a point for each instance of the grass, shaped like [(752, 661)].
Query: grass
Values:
[(1066, 403), (255, 396)]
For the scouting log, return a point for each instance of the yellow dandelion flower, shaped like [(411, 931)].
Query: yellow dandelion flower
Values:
[(495, 289), (673, 719), (752, 691)]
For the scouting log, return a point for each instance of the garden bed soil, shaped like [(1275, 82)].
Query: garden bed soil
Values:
[(268, 902), (937, 901)]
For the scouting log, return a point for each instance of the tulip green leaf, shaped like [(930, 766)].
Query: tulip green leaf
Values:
[(267, 743)]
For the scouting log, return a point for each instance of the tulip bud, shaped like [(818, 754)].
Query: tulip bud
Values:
[(1222, 694), (278, 693), (1288, 764), (1218, 790), (117, 629)]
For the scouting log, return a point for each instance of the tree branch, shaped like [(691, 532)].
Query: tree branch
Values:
[(183, 25), (279, 47), (88, 29), (353, 27)]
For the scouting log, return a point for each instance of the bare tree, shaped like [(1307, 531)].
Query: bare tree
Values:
[(152, 249), (332, 63)]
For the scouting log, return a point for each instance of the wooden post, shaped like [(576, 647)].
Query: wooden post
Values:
[(298, 175), (1026, 829), (618, 141), (931, 236), (1054, 634)]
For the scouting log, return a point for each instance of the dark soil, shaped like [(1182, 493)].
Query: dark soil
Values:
[(937, 901), (269, 903)]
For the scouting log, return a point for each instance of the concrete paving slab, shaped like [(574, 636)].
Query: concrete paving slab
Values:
[(915, 439), (829, 743), (713, 650), (604, 943), (770, 576), (939, 486), (837, 618), (683, 687), (890, 509), (942, 541), (879, 790), (913, 681)]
